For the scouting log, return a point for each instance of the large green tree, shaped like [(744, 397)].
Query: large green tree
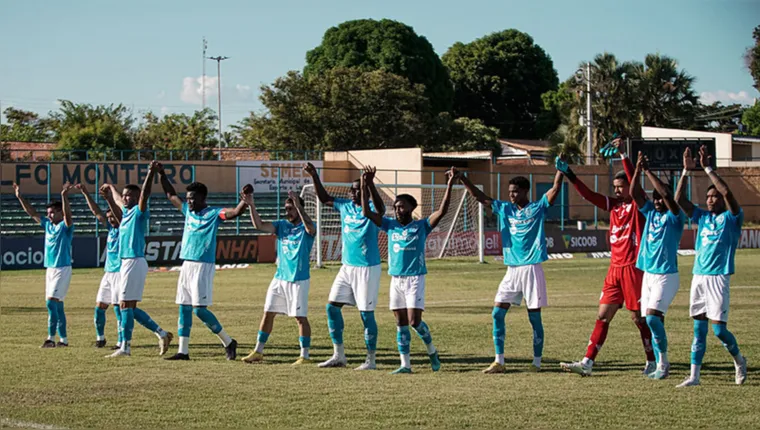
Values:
[(499, 79), (753, 58), (26, 126), (191, 135), (84, 127), (751, 120), (666, 94), (384, 45)]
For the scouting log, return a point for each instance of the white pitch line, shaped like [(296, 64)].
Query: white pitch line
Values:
[(5, 422)]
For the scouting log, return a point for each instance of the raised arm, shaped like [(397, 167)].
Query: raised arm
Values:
[(637, 193), (94, 208), (474, 191), (258, 224), (308, 224), (232, 213), (452, 176), (688, 165), (596, 199), (554, 191), (147, 186), (171, 194), (322, 193), (110, 194), (720, 184), (67, 218), (375, 217), (377, 199), (665, 192), (28, 208)]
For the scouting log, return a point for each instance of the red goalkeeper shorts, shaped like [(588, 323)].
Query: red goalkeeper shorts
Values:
[(622, 285)]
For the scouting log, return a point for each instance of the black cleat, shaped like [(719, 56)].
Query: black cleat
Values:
[(178, 356), (115, 347), (61, 344), (48, 344), (231, 350), (100, 343)]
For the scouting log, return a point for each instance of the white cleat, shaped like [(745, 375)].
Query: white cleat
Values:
[(576, 367), (650, 367), (688, 382), (741, 371), (119, 353), (334, 361), (367, 365)]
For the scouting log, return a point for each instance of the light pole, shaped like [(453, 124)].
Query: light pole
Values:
[(203, 77), (585, 75), (219, 60)]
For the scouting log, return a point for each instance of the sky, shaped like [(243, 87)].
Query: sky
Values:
[(148, 54)]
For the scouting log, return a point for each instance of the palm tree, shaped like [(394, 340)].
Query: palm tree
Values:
[(666, 96)]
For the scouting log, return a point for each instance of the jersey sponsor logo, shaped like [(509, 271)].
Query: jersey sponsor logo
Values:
[(353, 219)]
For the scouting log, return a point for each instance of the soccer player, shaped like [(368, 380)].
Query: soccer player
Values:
[(406, 265), (623, 281), (108, 292), (521, 223), (133, 203), (658, 257), (288, 292), (196, 278), (59, 230), (718, 231), (358, 281)]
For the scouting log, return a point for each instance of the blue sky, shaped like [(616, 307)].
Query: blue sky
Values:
[(147, 54)]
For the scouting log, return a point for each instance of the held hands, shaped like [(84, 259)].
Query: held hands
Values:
[(246, 194), (294, 197), (561, 165), (642, 163), (82, 188), (66, 188), (156, 167), (689, 163), (704, 158), (452, 175), (611, 148), (105, 191), (369, 174), (17, 190)]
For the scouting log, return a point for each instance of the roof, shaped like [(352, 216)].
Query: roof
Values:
[(745, 139), (467, 155), (525, 144)]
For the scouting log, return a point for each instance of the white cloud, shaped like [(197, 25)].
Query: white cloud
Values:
[(244, 92), (164, 110), (191, 89), (726, 97)]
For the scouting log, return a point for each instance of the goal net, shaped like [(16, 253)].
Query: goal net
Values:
[(458, 234)]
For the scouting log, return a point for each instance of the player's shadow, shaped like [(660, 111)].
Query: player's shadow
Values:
[(24, 310)]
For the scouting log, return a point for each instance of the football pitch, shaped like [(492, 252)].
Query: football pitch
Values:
[(77, 387)]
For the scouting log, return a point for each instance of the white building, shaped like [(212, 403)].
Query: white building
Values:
[(731, 150)]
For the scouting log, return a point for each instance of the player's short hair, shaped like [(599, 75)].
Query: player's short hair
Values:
[(521, 182), (656, 195), (300, 200), (621, 175), (711, 187), (198, 188), (409, 199), (132, 187), (56, 206)]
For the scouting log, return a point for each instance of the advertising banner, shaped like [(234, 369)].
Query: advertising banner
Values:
[(28, 252), (266, 175)]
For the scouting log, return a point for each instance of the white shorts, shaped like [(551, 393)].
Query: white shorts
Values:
[(108, 292), (357, 286), (288, 298), (196, 283), (57, 280), (658, 291), (407, 292), (132, 278), (710, 295), (523, 282)]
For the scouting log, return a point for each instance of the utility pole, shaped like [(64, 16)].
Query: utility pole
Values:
[(219, 60), (203, 77), (589, 123)]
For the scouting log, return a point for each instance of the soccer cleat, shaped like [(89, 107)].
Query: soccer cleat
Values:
[(100, 343), (576, 367), (367, 365), (495, 367), (301, 361), (688, 382), (741, 371), (650, 367), (164, 342), (402, 370), (61, 344), (533, 368), (119, 353), (178, 356), (334, 361), (435, 362), (231, 350), (48, 344), (662, 372), (115, 347), (253, 357)]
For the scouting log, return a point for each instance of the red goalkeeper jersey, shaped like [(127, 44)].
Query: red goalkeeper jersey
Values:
[(626, 221)]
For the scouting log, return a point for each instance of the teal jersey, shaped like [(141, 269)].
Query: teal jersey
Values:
[(132, 232), (113, 262), (58, 239), (658, 253), (523, 239), (406, 246), (717, 240), (293, 251), (199, 237), (358, 235)]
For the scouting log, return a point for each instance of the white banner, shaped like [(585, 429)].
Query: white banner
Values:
[(263, 175)]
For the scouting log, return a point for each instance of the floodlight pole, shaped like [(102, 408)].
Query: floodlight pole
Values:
[(589, 124), (219, 60)]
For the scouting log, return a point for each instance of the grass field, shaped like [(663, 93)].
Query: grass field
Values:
[(77, 387)]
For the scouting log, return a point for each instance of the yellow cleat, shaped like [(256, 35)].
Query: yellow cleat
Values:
[(301, 361), (253, 357), (495, 368), (534, 369)]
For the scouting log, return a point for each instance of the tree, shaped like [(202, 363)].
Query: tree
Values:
[(499, 79), (462, 134), (384, 45), (84, 127), (193, 134), (751, 120), (667, 98), (26, 126), (752, 57), (718, 117)]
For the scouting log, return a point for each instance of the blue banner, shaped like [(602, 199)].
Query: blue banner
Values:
[(28, 252)]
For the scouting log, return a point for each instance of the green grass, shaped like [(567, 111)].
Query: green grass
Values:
[(77, 387)]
